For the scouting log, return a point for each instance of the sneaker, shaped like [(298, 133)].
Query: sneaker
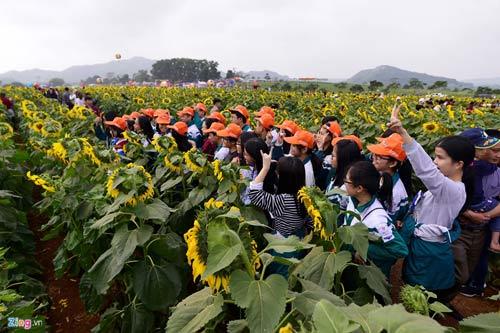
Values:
[(469, 291)]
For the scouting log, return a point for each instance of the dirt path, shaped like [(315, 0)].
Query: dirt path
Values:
[(67, 312)]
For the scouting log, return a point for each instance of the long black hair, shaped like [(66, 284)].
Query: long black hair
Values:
[(364, 173), (146, 128), (182, 141), (404, 168), (347, 153), (317, 166), (291, 178), (459, 149), (254, 147), (243, 139)]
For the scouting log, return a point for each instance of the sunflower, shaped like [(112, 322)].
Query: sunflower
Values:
[(89, 152), (430, 127), (28, 107), (217, 171), (51, 128), (138, 100), (189, 162), (313, 212), (58, 152), (40, 182), (134, 178), (6, 131), (37, 127), (288, 328), (197, 245), (171, 166)]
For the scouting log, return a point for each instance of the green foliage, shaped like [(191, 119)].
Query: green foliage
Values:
[(185, 70)]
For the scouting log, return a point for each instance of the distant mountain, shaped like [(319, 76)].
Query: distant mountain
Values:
[(387, 74), (491, 82), (75, 74), (261, 75)]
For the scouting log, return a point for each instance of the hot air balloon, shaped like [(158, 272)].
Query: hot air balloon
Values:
[(118, 56)]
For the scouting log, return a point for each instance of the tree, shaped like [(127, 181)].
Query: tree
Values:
[(55, 82), (230, 74), (141, 76), (392, 86), (123, 79), (91, 79), (267, 77), (375, 85), (483, 91), (414, 83), (185, 70), (340, 85), (357, 88), (439, 85)]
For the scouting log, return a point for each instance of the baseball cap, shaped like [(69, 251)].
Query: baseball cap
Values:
[(302, 138), (266, 120), (163, 119), (241, 110), (217, 116), (289, 125), (265, 110), (186, 111), (479, 138), (214, 128), (334, 128), (349, 137), (180, 127), (118, 122), (391, 146), (232, 131)]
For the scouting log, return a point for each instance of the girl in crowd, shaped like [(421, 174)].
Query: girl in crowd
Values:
[(302, 144), (345, 152), (179, 133), (143, 126), (449, 183), (388, 156), (289, 216), (212, 141), (116, 128), (162, 123), (365, 186), (230, 136), (281, 147)]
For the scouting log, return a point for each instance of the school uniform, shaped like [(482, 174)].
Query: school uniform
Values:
[(390, 245), (399, 206), (429, 224), (310, 180), (194, 134)]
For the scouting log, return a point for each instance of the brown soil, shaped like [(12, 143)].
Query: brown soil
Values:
[(67, 312), (466, 306)]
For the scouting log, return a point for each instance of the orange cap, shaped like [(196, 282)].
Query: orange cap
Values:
[(302, 138), (161, 112), (150, 113), (349, 137), (265, 110), (391, 146), (126, 116), (117, 122), (164, 119), (289, 125), (134, 115), (266, 120), (214, 128), (335, 129), (241, 110), (232, 131), (201, 106), (217, 116), (187, 110), (180, 127)]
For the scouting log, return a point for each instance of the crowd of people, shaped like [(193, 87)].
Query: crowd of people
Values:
[(444, 233)]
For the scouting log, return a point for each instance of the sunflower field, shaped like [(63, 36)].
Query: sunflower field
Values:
[(165, 243)]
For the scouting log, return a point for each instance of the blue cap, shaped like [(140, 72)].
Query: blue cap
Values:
[(479, 138)]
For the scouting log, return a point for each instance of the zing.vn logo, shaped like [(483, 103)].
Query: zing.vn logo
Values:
[(27, 324)]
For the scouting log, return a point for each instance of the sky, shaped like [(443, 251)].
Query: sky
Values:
[(299, 38)]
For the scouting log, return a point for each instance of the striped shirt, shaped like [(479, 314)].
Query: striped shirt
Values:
[(283, 208)]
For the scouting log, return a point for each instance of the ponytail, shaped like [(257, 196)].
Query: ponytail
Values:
[(384, 193)]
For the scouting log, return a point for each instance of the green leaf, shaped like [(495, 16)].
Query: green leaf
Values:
[(233, 213), (252, 213), (321, 267), (264, 300), (306, 301), (157, 286), (328, 318), (237, 326), (357, 236), (89, 295), (395, 319), (439, 307), (224, 245), (169, 246), (284, 245), (156, 210), (195, 311), (359, 314), (376, 280), (170, 183), (484, 322), (105, 220), (84, 211), (137, 319), (111, 262)]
